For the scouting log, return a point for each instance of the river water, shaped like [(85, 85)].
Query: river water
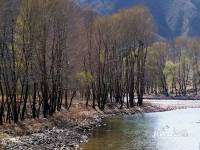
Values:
[(173, 130)]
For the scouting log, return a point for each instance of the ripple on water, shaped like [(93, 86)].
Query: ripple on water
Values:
[(173, 130)]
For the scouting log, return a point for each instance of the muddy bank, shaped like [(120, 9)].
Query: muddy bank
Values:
[(68, 130)]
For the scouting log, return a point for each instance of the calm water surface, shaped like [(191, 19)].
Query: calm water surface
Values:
[(173, 130)]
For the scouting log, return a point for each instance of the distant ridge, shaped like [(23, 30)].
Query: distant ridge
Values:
[(172, 17)]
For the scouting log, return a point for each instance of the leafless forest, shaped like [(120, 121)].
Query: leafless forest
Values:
[(52, 51)]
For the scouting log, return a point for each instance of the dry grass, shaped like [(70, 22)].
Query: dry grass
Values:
[(78, 113)]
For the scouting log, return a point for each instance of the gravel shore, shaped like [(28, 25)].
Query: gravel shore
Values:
[(62, 137), (65, 135)]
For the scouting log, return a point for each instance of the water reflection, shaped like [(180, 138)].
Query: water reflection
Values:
[(174, 130)]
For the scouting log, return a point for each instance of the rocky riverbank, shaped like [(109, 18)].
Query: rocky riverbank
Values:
[(67, 130), (62, 137)]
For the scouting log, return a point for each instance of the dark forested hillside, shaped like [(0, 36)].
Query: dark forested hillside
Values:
[(172, 17)]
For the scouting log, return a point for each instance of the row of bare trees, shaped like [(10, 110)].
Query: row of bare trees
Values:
[(176, 70), (37, 40), (52, 51), (116, 56)]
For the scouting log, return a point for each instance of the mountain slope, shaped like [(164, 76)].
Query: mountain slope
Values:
[(172, 17)]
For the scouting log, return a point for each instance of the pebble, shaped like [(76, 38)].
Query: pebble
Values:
[(61, 137)]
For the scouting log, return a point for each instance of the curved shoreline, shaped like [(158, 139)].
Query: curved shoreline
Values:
[(69, 135)]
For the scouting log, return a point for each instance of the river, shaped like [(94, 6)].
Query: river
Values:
[(172, 130)]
